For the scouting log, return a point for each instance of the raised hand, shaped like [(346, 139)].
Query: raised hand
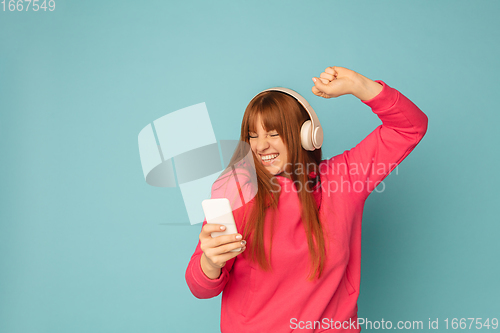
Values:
[(337, 81), (334, 82)]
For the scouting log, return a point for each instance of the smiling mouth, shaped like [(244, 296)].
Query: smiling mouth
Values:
[(268, 159)]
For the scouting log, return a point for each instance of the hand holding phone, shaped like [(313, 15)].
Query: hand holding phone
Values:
[(218, 211), (219, 245)]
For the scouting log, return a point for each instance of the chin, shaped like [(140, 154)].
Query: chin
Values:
[(275, 172)]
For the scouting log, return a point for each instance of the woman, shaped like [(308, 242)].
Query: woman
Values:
[(301, 270)]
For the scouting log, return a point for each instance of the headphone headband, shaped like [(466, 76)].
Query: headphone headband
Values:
[(315, 139)]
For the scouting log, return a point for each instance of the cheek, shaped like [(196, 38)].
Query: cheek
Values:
[(282, 149), (252, 146), (285, 155)]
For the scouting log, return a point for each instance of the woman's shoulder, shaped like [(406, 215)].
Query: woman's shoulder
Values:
[(333, 166)]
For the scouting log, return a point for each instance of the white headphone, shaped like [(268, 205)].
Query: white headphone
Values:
[(311, 132)]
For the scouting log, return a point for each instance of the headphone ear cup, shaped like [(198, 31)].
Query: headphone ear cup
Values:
[(318, 137), (306, 135)]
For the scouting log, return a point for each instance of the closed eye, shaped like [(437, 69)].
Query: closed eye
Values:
[(256, 136)]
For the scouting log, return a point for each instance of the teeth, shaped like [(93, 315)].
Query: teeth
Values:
[(269, 157)]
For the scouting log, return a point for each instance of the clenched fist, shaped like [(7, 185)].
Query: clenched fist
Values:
[(337, 81)]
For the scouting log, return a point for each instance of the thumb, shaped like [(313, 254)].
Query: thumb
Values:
[(319, 85)]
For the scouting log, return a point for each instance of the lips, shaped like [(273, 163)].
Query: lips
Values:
[(268, 159)]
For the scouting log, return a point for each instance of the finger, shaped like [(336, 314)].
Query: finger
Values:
[(220, 260), (210, 227), (334, 70), (331, 70), (325, 81), (319, 84), (315, 91), (214, 252), (327, 76), (319, 93), (231, 246), (221, 240)]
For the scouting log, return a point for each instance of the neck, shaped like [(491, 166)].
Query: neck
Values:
[(284, 174)]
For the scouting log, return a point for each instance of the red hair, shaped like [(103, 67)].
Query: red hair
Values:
[(283, 113)]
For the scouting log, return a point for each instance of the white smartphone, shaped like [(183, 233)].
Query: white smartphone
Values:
[(218, 211)]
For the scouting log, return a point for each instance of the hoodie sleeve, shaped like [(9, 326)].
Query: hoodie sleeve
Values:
[(237, 186), (202, 286), (370, 161)]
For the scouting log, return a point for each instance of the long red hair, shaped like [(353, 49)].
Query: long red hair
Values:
[(281, 112)]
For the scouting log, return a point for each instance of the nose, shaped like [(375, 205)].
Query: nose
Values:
[(262, 144)]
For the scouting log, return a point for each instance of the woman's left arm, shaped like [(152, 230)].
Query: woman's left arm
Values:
[(403, 126)]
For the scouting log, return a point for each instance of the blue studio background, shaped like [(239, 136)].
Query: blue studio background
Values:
[(85, 243)]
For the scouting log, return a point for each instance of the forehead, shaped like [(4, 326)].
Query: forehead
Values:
[(256, 124), (261, 124)]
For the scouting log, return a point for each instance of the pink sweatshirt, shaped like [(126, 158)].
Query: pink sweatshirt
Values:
[(283, 300)]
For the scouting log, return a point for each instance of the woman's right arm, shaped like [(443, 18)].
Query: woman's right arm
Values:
[(208, 270)]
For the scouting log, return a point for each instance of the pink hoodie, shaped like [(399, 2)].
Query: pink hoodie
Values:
[(282, 300)]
